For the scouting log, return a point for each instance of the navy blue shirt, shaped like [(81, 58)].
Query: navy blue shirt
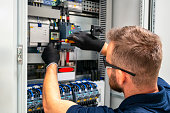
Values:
[(142, 103)]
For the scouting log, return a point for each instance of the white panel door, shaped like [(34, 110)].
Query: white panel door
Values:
[(162, 24), (8, 56)]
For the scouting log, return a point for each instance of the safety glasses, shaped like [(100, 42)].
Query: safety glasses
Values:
[(106, 64)]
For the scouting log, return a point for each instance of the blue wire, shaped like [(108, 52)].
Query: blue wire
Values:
[(90, 84), (86, 82), (39, 84), (30, 85), (83, 85), (39, 90), (55, 23), (32, 95), (67, 85), (61, 88), (94, 83), (84, 79), (76, 85)]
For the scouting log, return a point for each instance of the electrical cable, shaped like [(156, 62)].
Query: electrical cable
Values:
[(67, 57), (39, 90), (77, 86), (62, 90), (82, 84), (87, 83), (32, 95), (90, 85), (67, 86), (55, 24), (93, 83)]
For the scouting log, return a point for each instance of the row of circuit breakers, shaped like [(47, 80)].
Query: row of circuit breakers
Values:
[(84, 93)]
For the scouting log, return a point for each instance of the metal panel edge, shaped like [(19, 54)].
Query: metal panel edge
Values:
[(144, 13), (147, 14), (22, 68), (108, 27)]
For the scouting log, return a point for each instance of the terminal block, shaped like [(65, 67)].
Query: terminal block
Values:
[(34, 98), (84, 93)]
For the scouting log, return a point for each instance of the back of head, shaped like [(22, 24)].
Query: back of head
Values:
[(139, 51)]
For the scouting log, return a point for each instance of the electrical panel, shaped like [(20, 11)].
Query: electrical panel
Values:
[(78, 73)]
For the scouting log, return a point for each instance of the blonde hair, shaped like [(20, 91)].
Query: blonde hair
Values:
[(137, 50)]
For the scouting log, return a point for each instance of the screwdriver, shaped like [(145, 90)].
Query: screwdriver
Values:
[(67, 41)]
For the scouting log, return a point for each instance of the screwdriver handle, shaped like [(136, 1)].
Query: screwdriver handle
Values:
[(69, 41)]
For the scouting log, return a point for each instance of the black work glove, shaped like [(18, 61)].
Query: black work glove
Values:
[(50, 55), (86, 41)]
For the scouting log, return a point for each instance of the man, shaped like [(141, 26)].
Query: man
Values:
[(133, 60)]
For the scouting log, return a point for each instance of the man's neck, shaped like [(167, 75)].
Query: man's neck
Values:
[(134, 91)]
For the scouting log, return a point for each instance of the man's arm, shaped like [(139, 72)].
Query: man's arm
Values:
[(52, 102)]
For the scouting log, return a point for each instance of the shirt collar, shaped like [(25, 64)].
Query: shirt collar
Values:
[(145, 99)]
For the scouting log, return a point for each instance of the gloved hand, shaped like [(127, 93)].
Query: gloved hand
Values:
[(86, 41), (50, 55)]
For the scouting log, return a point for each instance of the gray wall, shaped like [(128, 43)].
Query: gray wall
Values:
[(162, 23), (125, 13)]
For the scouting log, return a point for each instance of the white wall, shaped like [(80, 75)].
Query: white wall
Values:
[(162, 28), (8, 64)]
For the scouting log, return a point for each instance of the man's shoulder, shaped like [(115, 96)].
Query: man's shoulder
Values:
[(104, 109), (81, 109), (163, 83), (136, 109)]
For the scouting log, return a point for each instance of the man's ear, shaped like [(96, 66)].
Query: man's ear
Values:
[(121, 77)]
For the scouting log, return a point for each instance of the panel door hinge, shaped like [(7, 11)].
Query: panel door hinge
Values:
[(20, 54)]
